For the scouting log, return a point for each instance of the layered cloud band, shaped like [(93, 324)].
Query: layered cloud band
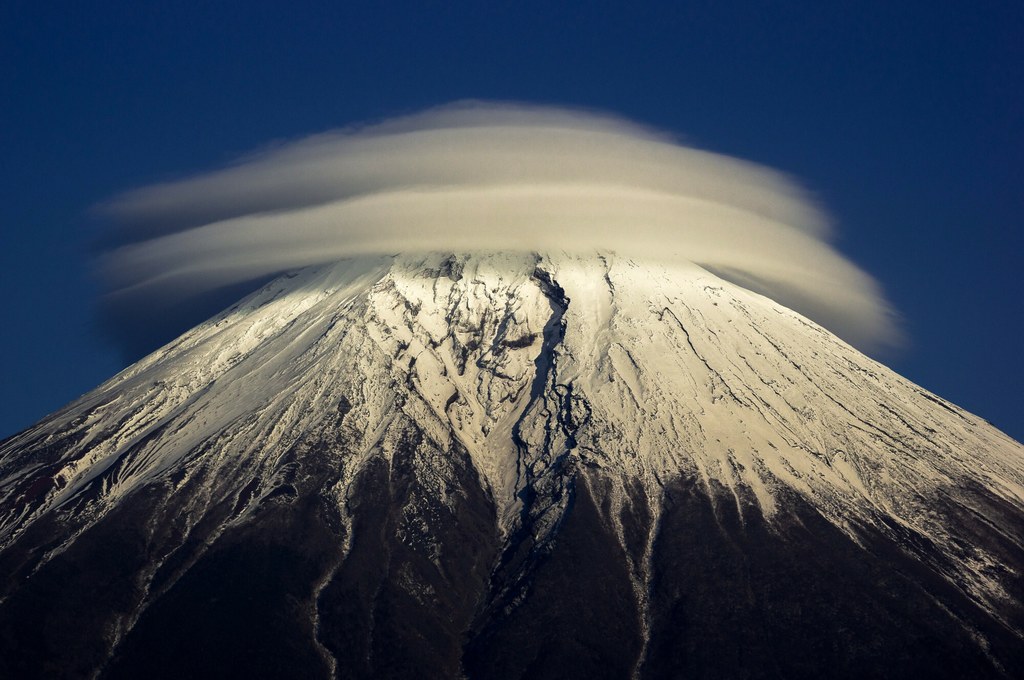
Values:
[(479, 177)]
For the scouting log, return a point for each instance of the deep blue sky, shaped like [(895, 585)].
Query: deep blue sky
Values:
[(906, 119)]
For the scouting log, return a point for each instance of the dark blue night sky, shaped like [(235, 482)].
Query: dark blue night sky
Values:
[(905, 119)]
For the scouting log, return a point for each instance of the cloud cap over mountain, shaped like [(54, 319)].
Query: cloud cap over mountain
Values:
[(477, 177)]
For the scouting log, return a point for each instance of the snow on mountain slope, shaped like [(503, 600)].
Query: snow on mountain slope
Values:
[(536, 375)]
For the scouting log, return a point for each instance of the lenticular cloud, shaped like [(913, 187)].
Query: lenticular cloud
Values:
[(473, 177)]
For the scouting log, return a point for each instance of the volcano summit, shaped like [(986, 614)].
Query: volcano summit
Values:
[(587, 423), (509, 466)]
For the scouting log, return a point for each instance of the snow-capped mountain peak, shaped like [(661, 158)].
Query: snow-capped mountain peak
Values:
[(473, 412)]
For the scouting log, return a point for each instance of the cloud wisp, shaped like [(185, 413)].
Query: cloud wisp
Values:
[(473, 177)]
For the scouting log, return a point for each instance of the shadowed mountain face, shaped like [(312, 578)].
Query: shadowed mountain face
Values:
[(509, 467)]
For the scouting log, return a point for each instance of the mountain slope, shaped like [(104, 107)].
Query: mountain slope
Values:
[(510, 466)]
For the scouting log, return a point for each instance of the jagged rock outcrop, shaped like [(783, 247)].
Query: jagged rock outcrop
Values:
[(510, 466)]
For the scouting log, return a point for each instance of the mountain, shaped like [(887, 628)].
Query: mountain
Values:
[(509, 466)]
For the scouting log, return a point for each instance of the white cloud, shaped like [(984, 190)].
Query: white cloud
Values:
[(489, 177)]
